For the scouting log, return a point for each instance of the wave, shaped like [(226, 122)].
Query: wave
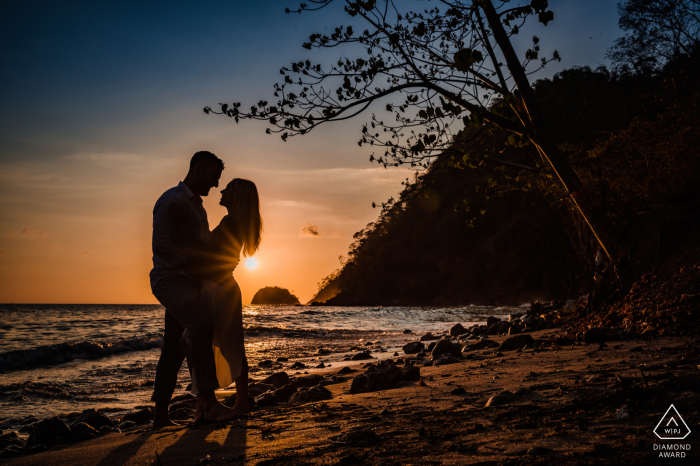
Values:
[(253, 329), (50, 355)]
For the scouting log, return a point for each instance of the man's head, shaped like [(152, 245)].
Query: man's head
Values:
[(205, 171)]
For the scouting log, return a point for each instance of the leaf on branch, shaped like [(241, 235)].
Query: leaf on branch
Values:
[(546, 16), (465, 58)]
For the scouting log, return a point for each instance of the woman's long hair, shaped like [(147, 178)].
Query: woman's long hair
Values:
[(246, 211)]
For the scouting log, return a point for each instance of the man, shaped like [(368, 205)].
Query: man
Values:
[(180, 209)]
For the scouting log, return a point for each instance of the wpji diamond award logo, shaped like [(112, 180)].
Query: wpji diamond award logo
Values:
[(672, 427)]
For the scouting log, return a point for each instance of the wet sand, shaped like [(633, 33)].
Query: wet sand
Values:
[(564, 408)]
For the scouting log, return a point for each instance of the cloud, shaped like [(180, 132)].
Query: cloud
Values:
[(309, 231)]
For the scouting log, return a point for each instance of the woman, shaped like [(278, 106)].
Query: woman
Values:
[(239, 231)]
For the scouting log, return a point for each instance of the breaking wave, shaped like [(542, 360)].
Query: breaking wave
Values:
[(49, 355)]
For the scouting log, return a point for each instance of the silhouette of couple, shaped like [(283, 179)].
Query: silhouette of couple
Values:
[(192, 277)]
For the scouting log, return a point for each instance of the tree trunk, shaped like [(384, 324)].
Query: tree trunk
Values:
[(543, 140)]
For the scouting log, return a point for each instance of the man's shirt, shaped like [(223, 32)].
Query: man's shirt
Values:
[(169, 244)]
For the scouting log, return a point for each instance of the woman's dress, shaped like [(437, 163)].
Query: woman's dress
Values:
[(222, 294)]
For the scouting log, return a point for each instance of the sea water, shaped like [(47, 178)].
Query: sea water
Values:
[(64, 358)]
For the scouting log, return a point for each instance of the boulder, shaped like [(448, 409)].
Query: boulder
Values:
[(492, 320), (140, 417), (10, 451), (82, 431), (504, 327), (50, 431), (231, 401), (445, 359), (381, 376), (298, 365), (278, 379), (407, 331), (445, 346), (10, 438), (427, 337), (95, 420), (307, 395), (361, 356), (127, 425), (180, 414), (307, 381), (266, 399), (413, 347), (516, 342), (501, 398), (457, 330), (596, 335), (481, 344), (259, 388), (285, 392), (410, 373)]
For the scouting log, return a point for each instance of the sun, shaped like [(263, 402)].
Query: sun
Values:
[(251, 263)]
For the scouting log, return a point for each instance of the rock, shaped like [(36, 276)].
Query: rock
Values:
[(457, 330), (37, 449), (50, 431), (140, 417), (515, 316), (298, 365), (413, 347), (358, 435), (382, 376), (183, 397), (407, 331), (481, 344), (285, 392), (278, 379), (445, 359), (320, 366), (10, 451), (504, 327), (445, 346), (345, 370), (266, 362), (428, 336), (95, 420), (410, 373), (307, 380), (323, 351), (82, 431), (596, 335), (127, 425), (258, 388), (189, 404), (317, 393), (266, 399), (432, 345), (516, 342), (458, 391), (421, 355), (362, 356), (538, 451), (106, 429), (623, 412), (10, 438), (282, 359), (499, 399), (492, 320), (180, 414), (231, 401)]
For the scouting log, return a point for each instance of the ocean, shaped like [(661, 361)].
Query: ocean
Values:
[(61, 358)]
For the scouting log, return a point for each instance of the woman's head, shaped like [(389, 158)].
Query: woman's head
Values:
[(241, 199)]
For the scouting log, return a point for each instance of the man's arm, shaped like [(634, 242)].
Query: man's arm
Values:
[(164, 230)]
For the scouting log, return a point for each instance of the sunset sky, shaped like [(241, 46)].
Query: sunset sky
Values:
[(101, 110)]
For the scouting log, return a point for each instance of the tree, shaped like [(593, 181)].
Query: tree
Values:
[(657, 30), (444, 68)]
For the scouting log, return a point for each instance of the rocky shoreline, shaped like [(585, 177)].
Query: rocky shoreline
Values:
[(528, 398)]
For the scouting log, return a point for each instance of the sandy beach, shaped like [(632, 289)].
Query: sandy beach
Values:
[(572, 403)]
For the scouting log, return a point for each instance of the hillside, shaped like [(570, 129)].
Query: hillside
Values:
[(495, 234)]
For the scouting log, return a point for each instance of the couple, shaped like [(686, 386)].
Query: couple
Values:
[(192, 277)]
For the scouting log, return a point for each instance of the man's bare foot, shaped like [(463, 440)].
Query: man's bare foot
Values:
[(243, 408), (218, 412), (199, 413), (161, 418)]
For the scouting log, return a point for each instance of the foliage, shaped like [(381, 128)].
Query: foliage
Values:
[(435, 72), (630, 136), (657, 30)]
